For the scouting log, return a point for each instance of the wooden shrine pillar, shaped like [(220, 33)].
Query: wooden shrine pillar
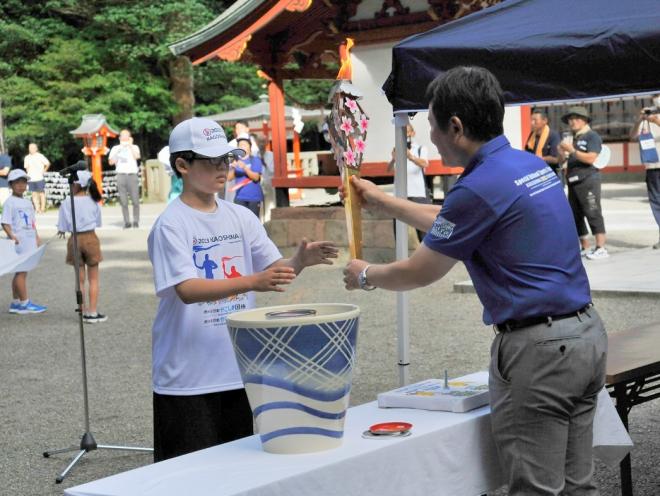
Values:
[(278, 130), (296, 154), (525, 124)]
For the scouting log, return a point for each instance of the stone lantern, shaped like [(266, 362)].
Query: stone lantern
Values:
[(94, 131)]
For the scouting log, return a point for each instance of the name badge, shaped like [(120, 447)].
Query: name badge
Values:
[(572, 179)]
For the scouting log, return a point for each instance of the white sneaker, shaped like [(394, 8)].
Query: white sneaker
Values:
[(585, 251), (598, 254)]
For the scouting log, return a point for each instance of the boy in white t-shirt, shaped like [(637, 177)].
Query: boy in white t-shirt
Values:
[(19, 224), (209, 256)]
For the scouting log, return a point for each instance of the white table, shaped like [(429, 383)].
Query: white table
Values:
[(450, 454)]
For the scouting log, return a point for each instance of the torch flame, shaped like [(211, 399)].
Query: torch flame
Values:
[(346, 69)]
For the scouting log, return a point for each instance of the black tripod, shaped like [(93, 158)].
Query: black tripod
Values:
[(87, 442)]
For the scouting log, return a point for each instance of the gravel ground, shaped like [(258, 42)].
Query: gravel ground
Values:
[(41, 399)]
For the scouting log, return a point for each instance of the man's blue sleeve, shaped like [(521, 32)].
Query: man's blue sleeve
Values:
[(462, 225)]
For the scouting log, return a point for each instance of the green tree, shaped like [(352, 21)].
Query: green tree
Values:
[(65, 58)]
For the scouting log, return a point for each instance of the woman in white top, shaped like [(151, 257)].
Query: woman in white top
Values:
[(35, 164), (86, 197)]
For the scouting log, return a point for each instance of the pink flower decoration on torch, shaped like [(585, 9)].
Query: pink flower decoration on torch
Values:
[(363, 123), (346, 125), (359, 145), (349, 157), (352, 105)]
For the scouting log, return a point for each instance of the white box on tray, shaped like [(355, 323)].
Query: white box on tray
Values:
[(465, 393)]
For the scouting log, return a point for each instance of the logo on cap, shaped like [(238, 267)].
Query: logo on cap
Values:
[(212, 133)]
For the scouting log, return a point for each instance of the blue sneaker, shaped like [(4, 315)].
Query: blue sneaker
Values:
[(30, 307), (14, 308)]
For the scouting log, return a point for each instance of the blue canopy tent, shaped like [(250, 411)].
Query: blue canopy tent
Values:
[(540, 51)]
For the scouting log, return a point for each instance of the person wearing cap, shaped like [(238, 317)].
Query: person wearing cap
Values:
[(246, 174), (35, 164), (584, 181), (18, 222), (86, 197), (241, 130), (543, 141), (209, 258), (5, 167), (508, 220), (124, 157)]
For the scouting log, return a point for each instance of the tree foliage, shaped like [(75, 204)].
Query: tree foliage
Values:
[(61, 59)]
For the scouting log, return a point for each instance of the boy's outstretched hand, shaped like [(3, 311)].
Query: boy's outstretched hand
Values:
[(314, 253), (272, 278)]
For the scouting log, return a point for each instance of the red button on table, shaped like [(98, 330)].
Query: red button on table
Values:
[(390, 428)]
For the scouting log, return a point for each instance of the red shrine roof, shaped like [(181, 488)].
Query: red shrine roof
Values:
[(273, 33)]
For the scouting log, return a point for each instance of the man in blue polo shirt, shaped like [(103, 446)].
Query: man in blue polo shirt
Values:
[(508, 220)]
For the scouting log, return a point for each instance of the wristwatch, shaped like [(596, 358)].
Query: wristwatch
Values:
[(362, 280)]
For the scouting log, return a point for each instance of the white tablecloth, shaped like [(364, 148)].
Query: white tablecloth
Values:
[(448, 454)]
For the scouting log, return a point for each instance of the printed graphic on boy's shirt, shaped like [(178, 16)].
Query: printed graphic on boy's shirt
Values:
[(211, 257), (208, 265), (233, 272), (22, 219)]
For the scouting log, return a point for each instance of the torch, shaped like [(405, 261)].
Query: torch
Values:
[(347, 129)]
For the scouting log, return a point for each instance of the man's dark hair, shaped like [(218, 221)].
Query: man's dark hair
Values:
[(185, 155), (541, 112), (473, 95), (244, 123)]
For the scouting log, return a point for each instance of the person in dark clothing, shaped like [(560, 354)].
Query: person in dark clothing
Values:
[(584, 181)]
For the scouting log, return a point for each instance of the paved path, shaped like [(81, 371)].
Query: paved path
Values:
[(40, 386), (633, 268)]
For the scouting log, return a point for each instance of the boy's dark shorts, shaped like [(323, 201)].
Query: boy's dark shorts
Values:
[(183, 424)]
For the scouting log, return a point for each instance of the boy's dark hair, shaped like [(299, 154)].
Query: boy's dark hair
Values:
[(244, 123), (473, 95), (186, 155)]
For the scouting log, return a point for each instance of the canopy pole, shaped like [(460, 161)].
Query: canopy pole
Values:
[(401, 229)]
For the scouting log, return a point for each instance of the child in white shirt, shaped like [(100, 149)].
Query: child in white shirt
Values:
[(19, 224), (209, 257), (86, 197)]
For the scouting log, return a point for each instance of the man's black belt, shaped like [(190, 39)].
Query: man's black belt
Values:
[(513, 325)]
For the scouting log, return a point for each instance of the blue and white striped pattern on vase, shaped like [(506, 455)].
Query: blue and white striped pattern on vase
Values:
[(297, 366)]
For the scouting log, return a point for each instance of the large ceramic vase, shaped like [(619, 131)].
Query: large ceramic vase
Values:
[(296, 362)]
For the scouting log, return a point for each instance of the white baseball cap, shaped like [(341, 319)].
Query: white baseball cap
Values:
[(17, 174), (84, 177), (202, 136)]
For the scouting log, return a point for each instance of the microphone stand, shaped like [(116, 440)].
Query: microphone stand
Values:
[(87, 442)]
